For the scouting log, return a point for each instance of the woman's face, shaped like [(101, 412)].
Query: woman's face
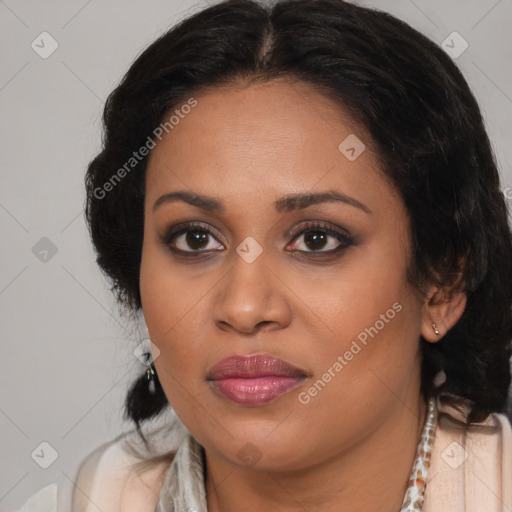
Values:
[(333, 302)]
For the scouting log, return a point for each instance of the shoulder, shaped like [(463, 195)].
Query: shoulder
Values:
[(120, 475), (124, 475), (471, 466), (107, 478), (110, 479)]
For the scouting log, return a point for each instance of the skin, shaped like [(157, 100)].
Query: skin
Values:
[(248, 145)]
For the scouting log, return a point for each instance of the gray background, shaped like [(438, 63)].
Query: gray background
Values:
[(66, 358)]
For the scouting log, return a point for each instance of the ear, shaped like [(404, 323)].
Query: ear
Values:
[(442, 309)]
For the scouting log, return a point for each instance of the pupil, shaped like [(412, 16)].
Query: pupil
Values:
[(196, 239), (318, 240)]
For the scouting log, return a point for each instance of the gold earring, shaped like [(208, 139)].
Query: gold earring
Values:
[(435, 328)]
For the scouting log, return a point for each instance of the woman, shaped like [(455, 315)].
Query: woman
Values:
[(302, 201)]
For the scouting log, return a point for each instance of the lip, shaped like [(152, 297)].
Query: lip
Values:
[(254, 379)]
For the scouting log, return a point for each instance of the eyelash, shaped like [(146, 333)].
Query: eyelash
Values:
[(310, 227)]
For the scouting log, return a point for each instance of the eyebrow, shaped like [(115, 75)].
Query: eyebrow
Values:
[(287, 203)]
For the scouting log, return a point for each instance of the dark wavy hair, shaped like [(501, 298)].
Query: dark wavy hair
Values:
[(423, 119)]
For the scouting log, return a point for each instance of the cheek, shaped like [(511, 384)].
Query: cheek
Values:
[(171, 315), (161, 305), (174, 311), (368, 292), (168, 295), (374, 319), (370, 366), (377, 338), (174, 318)]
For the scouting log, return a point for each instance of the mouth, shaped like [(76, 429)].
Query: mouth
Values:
[(255, 379)]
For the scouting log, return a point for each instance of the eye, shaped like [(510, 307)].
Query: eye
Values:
[(317, 236), (191, 238)]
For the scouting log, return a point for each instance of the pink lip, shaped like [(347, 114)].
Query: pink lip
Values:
[(254, 379)]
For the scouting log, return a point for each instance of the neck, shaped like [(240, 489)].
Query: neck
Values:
[(373, 475)]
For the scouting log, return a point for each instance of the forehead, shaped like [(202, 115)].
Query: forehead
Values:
[(264, 140)]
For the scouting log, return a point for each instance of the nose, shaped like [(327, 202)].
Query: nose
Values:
[(251, 298)]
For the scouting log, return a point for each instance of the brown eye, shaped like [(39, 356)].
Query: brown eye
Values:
[(191, 238), (315, 240), (318, 238), (196, 239)]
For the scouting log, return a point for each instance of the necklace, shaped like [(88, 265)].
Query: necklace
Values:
[(415, 494)]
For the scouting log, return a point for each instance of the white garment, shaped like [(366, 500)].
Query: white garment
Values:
[(480, 483)]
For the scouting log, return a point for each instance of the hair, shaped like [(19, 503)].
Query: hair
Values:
[(422, 118)]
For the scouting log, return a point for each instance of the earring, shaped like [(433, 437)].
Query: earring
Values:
[(151, 375), (435, 328)]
